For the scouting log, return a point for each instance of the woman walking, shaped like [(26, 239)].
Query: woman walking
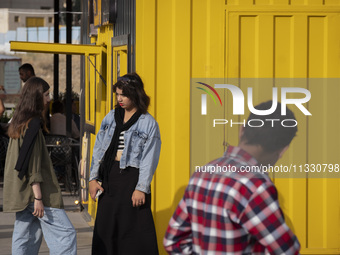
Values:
[(31, 189), (125, 157)]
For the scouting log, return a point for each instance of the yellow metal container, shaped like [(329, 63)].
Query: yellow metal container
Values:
[(177, 40), (180, 40)]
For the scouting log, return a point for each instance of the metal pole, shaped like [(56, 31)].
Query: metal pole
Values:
[(69, 70), (56, 56)]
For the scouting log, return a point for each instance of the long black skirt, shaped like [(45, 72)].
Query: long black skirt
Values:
[(121, 228)]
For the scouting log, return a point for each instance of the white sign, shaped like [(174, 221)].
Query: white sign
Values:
[(12, 81)]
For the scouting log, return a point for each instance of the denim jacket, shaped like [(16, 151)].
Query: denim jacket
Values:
[(142, 148)]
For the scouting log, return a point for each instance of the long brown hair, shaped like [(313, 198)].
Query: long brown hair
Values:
[(31, 105)]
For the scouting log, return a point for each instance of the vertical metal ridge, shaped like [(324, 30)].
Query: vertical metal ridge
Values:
[(256, 46), (274, 45), (126, 25), (239, 42), (307, 135), (225, 75)]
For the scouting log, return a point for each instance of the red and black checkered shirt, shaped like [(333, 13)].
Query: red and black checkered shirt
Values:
[(230, 213)]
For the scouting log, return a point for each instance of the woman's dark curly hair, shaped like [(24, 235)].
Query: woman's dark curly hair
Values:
[(133, 88)]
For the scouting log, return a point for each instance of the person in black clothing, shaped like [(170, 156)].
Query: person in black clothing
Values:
[(125, 157)]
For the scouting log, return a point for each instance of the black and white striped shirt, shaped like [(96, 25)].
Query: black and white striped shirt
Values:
[(121, 144)]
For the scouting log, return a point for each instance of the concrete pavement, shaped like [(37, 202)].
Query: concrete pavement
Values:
[(84, 231)]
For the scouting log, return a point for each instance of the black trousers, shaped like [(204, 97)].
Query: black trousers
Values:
[(121, 228)]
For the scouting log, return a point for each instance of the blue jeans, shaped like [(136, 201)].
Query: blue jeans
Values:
[(57, 229)]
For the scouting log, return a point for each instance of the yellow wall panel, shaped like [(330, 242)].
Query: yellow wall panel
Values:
[(232, 47), (332, 2), (232, 55), (146, 48), (172, 77), (316, 59), (249, 59), (173, 58), (332, 64), (316, 48), (248, 46), (298, 2), (239, 2), (232, 2), (262, 39), (271, 2), (314, 2), (299, 53), (283, 45), (321, 219), (267, 2), (292, 192), (207, 61), (265, 65), (302, 46), (146, 68), (245, 2)]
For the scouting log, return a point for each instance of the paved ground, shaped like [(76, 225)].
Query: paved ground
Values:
[(84, 231)]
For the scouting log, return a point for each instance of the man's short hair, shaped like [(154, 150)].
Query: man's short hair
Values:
[(27, 67), (272, 136)]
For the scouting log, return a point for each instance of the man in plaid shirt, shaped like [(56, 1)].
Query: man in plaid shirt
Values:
[(236, 212)]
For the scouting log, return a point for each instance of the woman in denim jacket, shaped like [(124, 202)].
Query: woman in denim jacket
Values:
[(125, 157)]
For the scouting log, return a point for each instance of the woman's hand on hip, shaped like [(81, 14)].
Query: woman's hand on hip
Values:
[(94, 186), (38, 208), (138, 198)]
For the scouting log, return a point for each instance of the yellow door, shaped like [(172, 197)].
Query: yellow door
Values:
[(301, 44)]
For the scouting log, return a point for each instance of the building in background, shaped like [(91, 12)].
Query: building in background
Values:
[(33, 21), (12, 19), (21, 13), (24, 4)]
